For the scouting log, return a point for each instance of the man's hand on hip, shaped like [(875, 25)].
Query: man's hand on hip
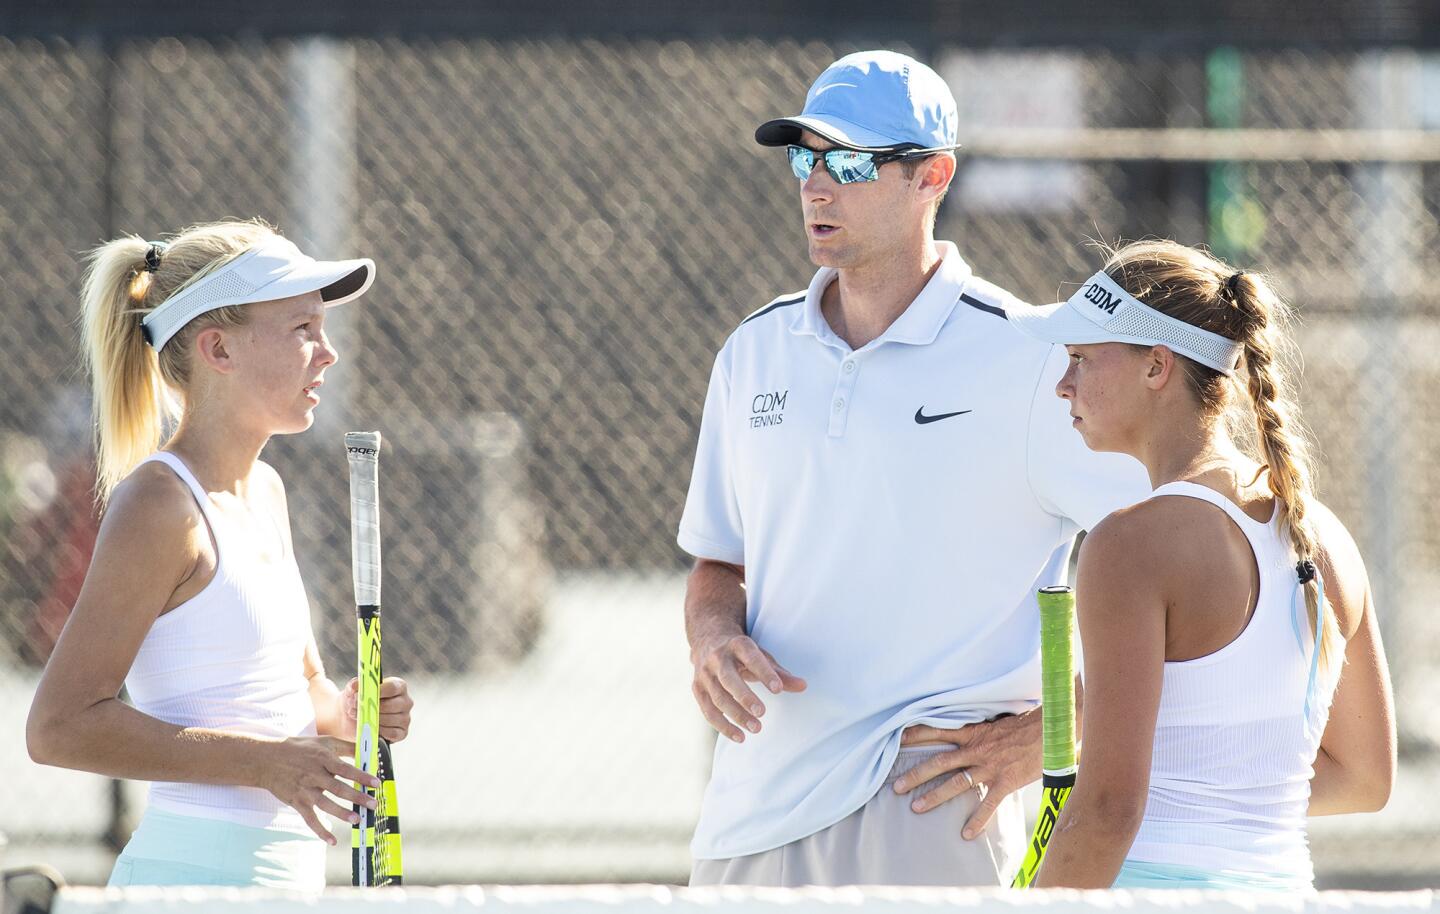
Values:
[(723, 667), (994, 758)]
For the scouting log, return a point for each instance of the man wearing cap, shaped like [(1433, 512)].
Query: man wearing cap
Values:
[(883, 479)]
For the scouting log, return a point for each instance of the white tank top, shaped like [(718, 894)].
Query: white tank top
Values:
[(229, 658), (1234, 751)]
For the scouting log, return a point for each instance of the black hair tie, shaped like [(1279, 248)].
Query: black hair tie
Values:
[(1232, 285), (1305, 569), (152, 255)]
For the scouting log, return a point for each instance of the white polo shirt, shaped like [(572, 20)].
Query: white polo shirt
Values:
[(895, 508)]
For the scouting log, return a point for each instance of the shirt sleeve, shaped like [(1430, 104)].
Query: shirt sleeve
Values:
[(711, 526), (1071, 481)]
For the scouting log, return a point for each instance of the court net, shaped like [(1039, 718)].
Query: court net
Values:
[(642, 899)]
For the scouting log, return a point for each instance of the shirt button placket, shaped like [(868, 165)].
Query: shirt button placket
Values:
[(844, 396)]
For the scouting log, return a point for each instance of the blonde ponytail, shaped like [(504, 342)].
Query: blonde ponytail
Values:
[(129, 399), (138, 394), (1195, 287)]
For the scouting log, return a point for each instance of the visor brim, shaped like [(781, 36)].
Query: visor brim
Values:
[(1059, 323), (337, 281)]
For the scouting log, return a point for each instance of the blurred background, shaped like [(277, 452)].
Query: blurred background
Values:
[(569, 216)]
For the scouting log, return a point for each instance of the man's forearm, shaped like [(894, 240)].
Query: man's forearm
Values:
[(714, 602)]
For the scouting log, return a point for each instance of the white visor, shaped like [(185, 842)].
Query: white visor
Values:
[(272, 270), (1102, 312)]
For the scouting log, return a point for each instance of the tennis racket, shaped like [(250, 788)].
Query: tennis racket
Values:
[(375, 839), (1057, 688)]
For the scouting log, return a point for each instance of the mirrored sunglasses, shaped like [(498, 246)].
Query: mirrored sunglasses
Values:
[(846, 166)]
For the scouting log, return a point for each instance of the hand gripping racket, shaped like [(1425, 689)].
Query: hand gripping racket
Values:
[(1057, 688), (375, 839)]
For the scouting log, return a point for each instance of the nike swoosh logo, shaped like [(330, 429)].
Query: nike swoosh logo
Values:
[(922, 419)]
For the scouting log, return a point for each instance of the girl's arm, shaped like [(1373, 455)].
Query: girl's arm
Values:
[(330, 716), (1122, 624), (1355, 767), (151, 543)]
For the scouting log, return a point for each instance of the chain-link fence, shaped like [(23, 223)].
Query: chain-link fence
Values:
[(566, 230)]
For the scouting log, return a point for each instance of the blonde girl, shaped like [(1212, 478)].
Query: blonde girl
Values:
[(193, 600)]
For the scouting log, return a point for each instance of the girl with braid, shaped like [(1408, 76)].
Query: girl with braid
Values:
[(1234, 677)]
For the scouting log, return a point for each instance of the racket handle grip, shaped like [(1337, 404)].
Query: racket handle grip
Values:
[(1057, 678)]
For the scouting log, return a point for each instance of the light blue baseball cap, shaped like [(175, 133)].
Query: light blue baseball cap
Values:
[(872, 100)]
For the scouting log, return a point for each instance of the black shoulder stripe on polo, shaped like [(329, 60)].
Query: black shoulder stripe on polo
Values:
[(771, 307), (979, 305)]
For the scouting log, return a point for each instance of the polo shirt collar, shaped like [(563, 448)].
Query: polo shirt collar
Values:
[(918, 324)]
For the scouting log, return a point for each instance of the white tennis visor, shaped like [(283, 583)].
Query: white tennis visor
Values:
[(270, 271), (1102, 312)]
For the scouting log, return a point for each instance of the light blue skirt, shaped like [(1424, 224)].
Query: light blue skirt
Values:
[(170, 849), (1137, 875)]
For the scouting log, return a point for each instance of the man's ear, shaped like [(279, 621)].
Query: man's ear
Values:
[(939, 171)]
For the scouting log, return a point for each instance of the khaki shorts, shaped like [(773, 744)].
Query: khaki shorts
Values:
[(884, 842)]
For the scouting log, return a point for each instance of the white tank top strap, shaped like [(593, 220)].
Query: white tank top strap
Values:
[(1249, 525), (202, 498)]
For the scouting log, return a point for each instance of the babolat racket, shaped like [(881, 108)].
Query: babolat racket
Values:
[(1057, 689), (375, 839)]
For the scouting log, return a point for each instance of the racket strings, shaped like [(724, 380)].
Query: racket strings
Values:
[(379, 852), (385, 852), (378, 830)]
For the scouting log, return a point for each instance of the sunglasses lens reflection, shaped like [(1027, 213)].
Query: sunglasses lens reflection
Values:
[(849, 166), (802, 161)]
